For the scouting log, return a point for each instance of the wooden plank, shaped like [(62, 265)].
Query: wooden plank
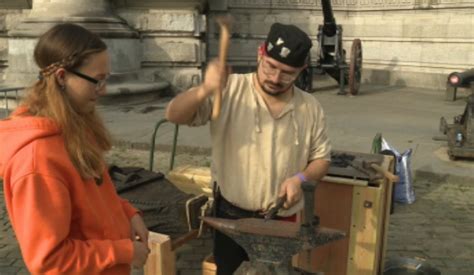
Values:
[(161, 260), (389, 164), (357, 182), (365, 230), (192, 179)]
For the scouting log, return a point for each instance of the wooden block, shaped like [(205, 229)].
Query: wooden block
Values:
[(209, 266), (161, 260), (192, 179)]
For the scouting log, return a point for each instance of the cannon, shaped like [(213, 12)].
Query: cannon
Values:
[(332, 56), (458, 80), (460, 134)]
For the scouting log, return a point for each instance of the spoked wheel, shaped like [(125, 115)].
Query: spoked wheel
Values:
[(305, 79), (355, 67)]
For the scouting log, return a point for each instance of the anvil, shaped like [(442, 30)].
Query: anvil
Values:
[(270, 244)]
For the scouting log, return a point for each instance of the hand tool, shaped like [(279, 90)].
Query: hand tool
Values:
[(224, 23)]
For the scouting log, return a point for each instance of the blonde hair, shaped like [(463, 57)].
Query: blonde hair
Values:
[(85, 136)]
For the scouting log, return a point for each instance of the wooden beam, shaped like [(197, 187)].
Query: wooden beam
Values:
[(192, 179)]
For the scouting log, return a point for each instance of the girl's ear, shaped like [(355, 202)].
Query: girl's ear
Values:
[(60, 74)]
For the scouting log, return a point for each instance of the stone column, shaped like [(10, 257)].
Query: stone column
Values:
[(97, 16)]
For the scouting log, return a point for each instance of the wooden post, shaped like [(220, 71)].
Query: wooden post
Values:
[(161, 260)]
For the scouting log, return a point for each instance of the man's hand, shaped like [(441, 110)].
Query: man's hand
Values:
[(139, 230), (215, 78), (292, 188)]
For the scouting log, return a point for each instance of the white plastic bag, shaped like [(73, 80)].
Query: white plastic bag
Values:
[(404, 192)]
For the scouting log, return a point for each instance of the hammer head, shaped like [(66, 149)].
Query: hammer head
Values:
[(225, 22)]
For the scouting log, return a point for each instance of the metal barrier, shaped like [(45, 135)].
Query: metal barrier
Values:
[(6, 90), (173, 149)]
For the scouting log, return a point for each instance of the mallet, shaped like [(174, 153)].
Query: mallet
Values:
[(225, 24)]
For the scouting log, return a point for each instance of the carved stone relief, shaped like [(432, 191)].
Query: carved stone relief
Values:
[(348, 5), (15, 4)]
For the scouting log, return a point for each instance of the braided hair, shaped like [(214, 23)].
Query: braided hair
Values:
[(68, 46)]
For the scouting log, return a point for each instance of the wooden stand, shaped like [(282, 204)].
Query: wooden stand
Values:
[(362, 211), (354, 206)]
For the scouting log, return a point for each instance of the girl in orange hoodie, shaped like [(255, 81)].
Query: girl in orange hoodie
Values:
[(62, 204)]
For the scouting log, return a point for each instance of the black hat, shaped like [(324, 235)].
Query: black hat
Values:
[(288, 44)]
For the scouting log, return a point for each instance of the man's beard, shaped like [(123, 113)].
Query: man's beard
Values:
[(278, 85)]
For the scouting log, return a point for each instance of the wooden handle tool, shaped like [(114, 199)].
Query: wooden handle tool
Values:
[(387, 174), (225, 24)]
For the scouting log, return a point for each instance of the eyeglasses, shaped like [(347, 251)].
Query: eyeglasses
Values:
[(271, 70), (99, 84)]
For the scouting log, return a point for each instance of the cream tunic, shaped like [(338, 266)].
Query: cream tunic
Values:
[(252, 152)]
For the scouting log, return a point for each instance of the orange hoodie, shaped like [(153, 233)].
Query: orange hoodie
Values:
[(64, 224)]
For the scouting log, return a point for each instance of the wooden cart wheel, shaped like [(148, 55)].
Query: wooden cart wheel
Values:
[(305, 78), (355, 67)]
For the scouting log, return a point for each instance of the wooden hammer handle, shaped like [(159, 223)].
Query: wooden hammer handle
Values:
[(191, 235), (223, 48), (387, 174)]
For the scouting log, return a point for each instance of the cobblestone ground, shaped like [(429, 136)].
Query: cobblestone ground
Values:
[(438, 227)]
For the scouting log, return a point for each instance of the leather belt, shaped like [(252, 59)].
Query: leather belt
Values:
[(232, 210)]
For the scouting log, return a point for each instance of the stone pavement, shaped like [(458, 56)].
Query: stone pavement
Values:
[(438, 227), (407, 118)]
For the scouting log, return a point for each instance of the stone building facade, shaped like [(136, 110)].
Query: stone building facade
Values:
[(405, 42)]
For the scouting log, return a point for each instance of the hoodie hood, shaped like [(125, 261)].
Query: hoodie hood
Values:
[(19, 131)]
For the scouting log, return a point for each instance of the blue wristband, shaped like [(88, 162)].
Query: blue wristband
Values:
[(301, 177)]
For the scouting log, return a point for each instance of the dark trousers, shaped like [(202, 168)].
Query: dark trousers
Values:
[(228, 255)]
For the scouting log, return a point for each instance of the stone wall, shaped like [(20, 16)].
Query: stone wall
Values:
[(171, 37), (172, 43), (405, 42), (8, 19)]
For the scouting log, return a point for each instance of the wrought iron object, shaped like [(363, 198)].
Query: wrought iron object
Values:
[(270, 244), (332, 56), (274, 210), (355, 165), (460, 134)]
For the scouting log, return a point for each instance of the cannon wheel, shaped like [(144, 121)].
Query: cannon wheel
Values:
[(305, 79), (355, 67)]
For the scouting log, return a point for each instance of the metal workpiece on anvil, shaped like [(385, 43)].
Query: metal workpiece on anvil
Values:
[(270, 244)]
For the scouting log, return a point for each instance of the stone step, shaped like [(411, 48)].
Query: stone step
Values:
[(133, 91), (127, 91)]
